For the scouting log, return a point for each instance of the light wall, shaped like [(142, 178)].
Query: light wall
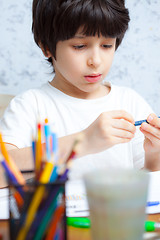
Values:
[(136, 63)]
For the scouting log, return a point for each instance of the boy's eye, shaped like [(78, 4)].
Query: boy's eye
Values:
[(107, 45), (82, 46), (79, 46)]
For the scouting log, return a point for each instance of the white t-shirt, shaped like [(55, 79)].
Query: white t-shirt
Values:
[(70, 115)]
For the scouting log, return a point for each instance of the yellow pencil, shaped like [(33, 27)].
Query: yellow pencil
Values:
[(31, 212), (3, 149), (45, 176)]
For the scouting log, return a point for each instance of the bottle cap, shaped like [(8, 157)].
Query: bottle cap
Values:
[(149, 226)]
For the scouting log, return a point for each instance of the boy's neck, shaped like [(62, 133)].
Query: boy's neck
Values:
[(102, 91)]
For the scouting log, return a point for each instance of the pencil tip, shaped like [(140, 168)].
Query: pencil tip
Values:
[(46, 120), (39, 126)]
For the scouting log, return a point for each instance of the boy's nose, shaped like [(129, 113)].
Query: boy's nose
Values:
[(94, 59)]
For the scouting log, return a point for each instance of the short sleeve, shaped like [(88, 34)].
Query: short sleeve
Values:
[(18, 121)]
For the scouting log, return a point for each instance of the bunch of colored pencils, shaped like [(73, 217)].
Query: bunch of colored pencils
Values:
[(40, 205)]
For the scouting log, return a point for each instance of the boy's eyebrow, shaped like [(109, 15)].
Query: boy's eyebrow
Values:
[(83, 36), (79, 36)]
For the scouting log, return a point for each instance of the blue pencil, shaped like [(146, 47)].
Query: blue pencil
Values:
[(41, 213), (33, 150), (154, 203), (55, 152), (137, 123), (64, 176), (11, 176), (47, 133)]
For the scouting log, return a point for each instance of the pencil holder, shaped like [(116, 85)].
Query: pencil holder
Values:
[(37, 211)]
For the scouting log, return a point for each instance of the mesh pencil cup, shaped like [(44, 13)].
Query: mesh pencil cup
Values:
[(37, 211)]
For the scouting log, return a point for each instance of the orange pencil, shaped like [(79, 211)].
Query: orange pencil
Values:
[(56, 219), (18, 198)]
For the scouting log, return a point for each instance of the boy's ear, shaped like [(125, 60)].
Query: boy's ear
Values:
[(45, 52)]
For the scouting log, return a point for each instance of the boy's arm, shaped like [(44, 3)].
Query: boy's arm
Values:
[(23, 159), (109, 129), (152, 161)]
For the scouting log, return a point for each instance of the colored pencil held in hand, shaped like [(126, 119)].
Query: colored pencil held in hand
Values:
[(48, 172), (138, 123)]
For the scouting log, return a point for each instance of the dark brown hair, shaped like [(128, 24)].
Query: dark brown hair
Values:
[(59, 20)]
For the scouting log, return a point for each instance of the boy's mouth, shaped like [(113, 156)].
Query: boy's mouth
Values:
[(93, 78)]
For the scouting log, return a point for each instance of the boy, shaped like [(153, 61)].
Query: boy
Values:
[(79, 39)]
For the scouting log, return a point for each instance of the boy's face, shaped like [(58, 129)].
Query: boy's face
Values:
[(81, 64)]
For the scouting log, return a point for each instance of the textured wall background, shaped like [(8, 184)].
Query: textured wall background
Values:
[(136, 63)]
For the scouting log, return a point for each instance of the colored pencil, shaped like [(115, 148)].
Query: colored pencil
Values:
[(64, 176), (46, 173), (17, 197), (38, 153), (53, 225), (11, 178), (138, 123), (34, 149), (54, 148), (47, 217), (11, 163), (31, 213), (51, 193), (47, 133), (51, 213)]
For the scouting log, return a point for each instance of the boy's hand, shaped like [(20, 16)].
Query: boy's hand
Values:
[(109, 129), (152, 134)]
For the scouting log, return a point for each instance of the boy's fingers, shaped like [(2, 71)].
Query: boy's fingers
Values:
[(123, 134), (152, 138), (121, 114), (150, 130), (154, 120), (121, 140), (124, 125)]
